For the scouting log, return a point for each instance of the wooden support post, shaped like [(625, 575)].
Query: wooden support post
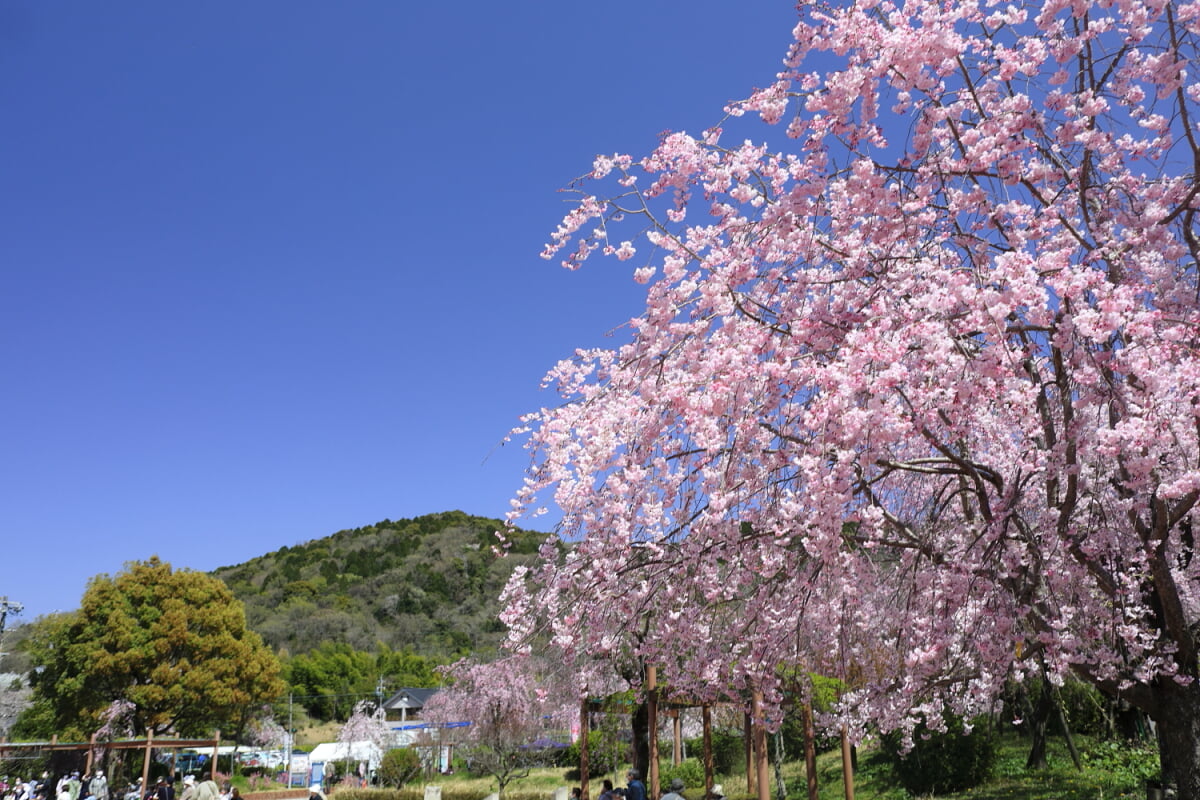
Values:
[(91, 756), (146, 763), (706, 719), (748, 740), (217, 749), (677, 731), (652, 704), (847, 765), (761, 763), (810, 751), (584, 754)]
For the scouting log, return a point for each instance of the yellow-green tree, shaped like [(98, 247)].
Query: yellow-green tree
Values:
[(172, 643)]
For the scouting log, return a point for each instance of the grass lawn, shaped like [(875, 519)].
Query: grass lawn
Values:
[(1111, 772)]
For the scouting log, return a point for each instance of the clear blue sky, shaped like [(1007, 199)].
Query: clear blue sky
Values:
[(270, 269)]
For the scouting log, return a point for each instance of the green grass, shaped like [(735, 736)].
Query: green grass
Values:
[(1111, 772)]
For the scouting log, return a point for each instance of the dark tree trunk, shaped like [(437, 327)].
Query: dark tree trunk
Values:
[(1066, 729), (1037, 729), (640, 724), (1179, 739)]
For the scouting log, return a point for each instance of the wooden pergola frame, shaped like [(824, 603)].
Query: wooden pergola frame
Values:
[(91, 746), (757, 779)]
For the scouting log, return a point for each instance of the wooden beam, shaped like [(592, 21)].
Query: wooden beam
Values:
[(652, 703), (847, 765), (584, 754), (760, 748), (706, 720), (677, 736), (810, 751), (146, 763), (748, 746)]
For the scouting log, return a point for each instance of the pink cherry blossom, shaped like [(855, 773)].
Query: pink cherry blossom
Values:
[(915, 398)]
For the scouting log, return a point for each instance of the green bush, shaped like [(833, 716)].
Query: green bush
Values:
[(399, 766), (940, 763), (605, 754), (690, 771), (729, 751), (793, 736), (1084, 708)]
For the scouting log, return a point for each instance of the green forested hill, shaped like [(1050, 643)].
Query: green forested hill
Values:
[(429, 584)]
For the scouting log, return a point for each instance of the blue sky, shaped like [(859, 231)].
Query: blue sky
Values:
[(270, 269)]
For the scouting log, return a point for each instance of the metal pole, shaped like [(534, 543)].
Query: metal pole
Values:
[(6, 606)]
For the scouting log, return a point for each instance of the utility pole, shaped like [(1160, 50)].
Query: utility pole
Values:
[(7, 606), (289, 740)]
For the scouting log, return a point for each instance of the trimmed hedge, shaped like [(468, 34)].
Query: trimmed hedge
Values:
[(418, 793)]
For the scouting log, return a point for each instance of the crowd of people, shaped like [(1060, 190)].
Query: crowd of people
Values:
[(95, 787), (67, 787), (193, 789), (71, 786), (636, 790)]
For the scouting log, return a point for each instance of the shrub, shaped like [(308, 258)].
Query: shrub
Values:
[(729, 753), (399, 766), (939, 762), (605, 754), (690, 771), (1084, 708)]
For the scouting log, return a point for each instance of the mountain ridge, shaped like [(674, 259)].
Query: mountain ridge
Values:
[(430, 584)]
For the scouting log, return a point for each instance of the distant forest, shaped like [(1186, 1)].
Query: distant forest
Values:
[(361, 613), (428, 585)]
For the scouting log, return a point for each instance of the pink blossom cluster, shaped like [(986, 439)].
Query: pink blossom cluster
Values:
[(915, 399)]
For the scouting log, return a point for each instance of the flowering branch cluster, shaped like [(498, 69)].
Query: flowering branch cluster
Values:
[(915, 399)]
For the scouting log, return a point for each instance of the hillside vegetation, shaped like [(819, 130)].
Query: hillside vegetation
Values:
[(429, 585)]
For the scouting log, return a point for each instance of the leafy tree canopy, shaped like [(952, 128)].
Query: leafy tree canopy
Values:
[(430, 583), (329, 680), (171, 644)]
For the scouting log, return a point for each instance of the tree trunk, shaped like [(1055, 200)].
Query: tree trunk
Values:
[(1037, 729), (1066, 729), (780, 787), (641, 740), (810, 752), (1179, 740)]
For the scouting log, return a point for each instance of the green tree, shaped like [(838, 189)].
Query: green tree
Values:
[(399, 766), (174, 643), (333, 677)]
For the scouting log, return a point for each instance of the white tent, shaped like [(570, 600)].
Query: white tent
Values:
[(336, 752)]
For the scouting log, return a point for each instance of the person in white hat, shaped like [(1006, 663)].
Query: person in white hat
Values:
[(99, 786)]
